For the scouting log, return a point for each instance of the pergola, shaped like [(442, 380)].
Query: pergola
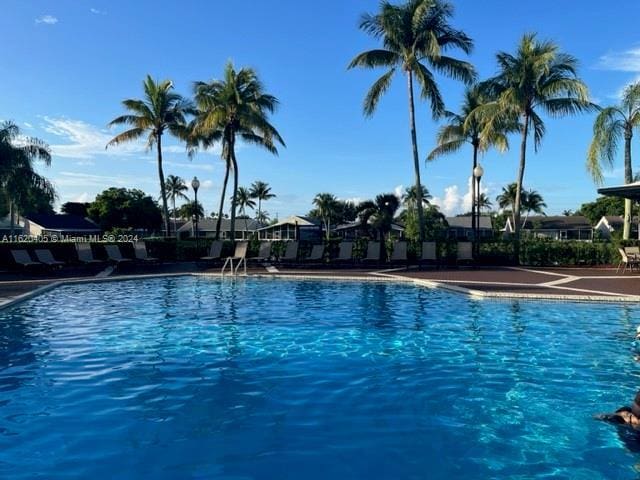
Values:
[(630, 191)]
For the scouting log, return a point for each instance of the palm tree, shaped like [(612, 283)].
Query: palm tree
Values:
[(410, 198), (263, 217), (160, 111), (190, 209), (175, 188), (415, 36), (611, 124), (244, 200), (261, 191), (466, 128), (507, 200), (532, 201), (538, 78), (326, 204), (484, 203), (18, 179), (379, 213), (236, 106)]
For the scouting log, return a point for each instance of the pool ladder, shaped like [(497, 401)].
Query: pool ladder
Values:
[(240, 262)]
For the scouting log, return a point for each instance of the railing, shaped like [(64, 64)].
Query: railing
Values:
[(240, 262)]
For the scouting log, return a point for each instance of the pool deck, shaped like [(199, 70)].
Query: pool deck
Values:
[(573, 284)]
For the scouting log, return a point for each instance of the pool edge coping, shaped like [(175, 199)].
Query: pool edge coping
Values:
[(374, 276)]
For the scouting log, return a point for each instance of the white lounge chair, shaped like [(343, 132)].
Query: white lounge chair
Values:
[(140, 250), (239, 256), (114, 255), (45, 256), (22, 258), (215, 252), (627, 260)]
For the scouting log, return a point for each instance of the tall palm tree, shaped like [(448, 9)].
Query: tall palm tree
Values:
[(175, 188), (537, 78), (18, 177), (410, 196), (507, 200), (532, 201), (244, 200), (415, 36), (235, 107), (261, 191), (326, 203), (160, 111), (612, 124), (379, 213), (484, 203), (465, 128)]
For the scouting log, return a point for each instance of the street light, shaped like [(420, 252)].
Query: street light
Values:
[(478, 171), (195, 184)]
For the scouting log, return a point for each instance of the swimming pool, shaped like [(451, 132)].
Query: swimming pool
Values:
[(201, 378)]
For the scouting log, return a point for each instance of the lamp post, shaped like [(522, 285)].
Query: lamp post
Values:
[(478, 171), (195, 184)]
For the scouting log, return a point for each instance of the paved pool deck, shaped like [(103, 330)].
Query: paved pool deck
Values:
[(584, 284)]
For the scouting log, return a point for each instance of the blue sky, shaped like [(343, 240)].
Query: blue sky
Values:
[(71, 62)]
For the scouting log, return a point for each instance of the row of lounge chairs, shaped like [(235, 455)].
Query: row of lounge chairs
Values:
[(317, 255), (44, 257)]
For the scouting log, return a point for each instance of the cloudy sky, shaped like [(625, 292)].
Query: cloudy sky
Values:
[(72, 62)]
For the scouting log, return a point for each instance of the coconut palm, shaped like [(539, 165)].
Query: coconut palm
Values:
[(261, 191), (410, 199), (235, 107), (18, 178), (175, 188), (537, 78), (507, 200), (532, 201), (326, 203), (160, 111), (465, 128), (379, 213), (415, 37), (484, 203), (191, 209), (244, 200), (612, 124)]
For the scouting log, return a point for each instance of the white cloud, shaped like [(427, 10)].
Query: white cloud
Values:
[(47, 19), (84, 197), (206, 184), (27, 125), (624, 61), (95, 11), (453, 202), (207, 167), (75, 179), (354, 200), (398, 191), (85, 163)]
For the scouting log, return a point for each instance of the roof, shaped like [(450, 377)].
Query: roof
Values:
[(465, 222), (209, 225), (5, 223), (297, 220), (615, 221), (357, 223), (558, 222), (56, 221), (630, 190)]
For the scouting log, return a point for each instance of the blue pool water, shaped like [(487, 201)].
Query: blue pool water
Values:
[(271, 379)]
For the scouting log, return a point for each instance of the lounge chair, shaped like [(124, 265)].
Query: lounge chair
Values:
[(399, 253), (429, 253), (45, 256), (464, 252), (85, 255), (345, 253), (114, 255), (373, 252), (239, 256), (22, 258), (140, 250), (627, 260), (316, 255), (215, 252), (264, 252), (290, 252)]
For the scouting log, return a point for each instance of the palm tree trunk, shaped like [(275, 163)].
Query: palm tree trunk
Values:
[(235, 190), (628, 178), (474, 214), (224, 192), (12, 218), (163, 193), (259, 208), (416, 159), (516, 207), (175, 225)]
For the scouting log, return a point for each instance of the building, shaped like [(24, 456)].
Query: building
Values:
[(575, 227), (614, 223), (53, 224), (5, 226), (460, 227), (207, 228), (294, 227), (353, 230)]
